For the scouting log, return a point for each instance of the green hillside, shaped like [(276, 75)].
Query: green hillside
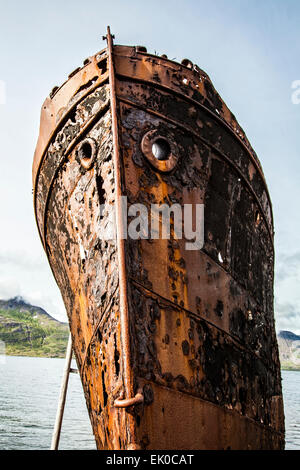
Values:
[(30, 331), (289, 350)]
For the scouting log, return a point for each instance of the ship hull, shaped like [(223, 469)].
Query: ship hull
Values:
[(191, 331)]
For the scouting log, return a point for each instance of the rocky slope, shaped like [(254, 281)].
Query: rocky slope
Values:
[(27, 330), (289, 350)]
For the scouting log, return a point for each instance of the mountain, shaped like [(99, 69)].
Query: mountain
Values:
[(27, 330), (289, 350)]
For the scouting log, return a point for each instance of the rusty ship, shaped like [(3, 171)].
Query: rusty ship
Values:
[(176, 348)]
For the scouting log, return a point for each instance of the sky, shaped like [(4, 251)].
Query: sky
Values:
[(249, 48)]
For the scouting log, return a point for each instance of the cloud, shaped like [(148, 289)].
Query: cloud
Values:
[(287, 316), (21, 258), (31, 278), (9, 288), (287, 292), (287, 266)]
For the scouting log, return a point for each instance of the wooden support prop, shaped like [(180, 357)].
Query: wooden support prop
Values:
[(62, 397)]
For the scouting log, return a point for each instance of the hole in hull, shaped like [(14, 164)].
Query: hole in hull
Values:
[(105, 396)]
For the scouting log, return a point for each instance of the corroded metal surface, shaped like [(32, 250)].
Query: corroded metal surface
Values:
[(165, 338)]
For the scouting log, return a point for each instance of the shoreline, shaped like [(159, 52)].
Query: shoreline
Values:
[(31, 355), (293, 369)]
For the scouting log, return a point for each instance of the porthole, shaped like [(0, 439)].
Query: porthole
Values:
[(187, 63), (160, 150), (86, 153)]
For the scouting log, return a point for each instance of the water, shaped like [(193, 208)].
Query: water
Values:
[(29, 389), (291, 397)]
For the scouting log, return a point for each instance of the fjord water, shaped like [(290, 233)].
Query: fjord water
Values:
[(291, 398), (29, 389)]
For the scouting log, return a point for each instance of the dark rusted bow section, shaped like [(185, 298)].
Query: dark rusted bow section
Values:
[(166, 339)]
